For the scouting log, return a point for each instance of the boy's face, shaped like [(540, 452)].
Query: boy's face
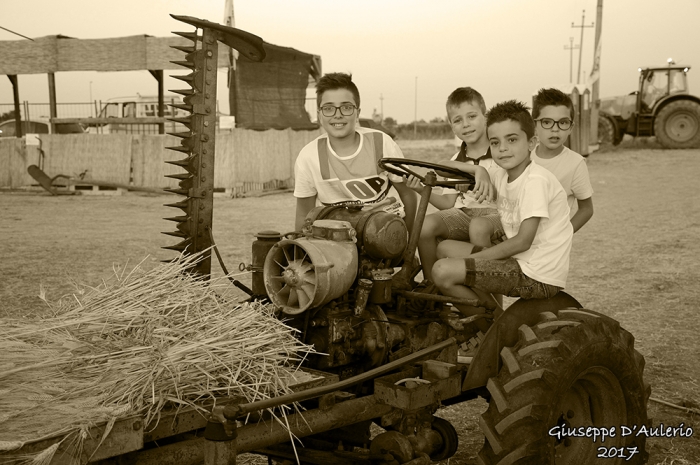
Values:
[(510, 147), (467, 121), (338, 126), (553, 138)]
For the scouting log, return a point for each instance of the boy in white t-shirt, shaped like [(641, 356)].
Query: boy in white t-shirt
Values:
[(554, 112), (340, 166), (466, 112), (533, 262)]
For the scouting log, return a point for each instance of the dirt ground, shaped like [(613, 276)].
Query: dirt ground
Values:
[(638, 260)]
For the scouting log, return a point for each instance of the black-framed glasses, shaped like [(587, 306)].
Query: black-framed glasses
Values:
[(330, 110), (548, 123)]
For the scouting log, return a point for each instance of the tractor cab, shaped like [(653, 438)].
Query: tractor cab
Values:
[(656, 84)]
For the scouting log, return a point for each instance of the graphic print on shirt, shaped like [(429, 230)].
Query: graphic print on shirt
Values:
[(509, 211), (354, 179), (369, 189)]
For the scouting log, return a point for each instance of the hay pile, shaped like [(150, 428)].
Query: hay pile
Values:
[(140, 341)]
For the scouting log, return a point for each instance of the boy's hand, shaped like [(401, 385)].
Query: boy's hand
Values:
[(413, 183), (483, 189)]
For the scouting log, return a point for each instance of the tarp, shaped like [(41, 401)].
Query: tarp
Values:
[(272, 93)]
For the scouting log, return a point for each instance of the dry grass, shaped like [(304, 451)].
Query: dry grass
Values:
[(150, 337), (637, 260)]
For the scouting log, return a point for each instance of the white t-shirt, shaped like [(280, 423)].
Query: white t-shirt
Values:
[(466, 199), (354, 178), (570, 169), (537, 193)]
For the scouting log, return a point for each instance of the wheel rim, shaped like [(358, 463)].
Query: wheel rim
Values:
[(681, 126), (594, 399)]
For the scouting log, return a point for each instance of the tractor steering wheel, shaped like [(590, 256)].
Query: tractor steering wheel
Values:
[(398, 166)]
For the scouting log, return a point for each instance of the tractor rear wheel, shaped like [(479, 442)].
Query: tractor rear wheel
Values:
[(607, 132), (576, 368), (677, 125)]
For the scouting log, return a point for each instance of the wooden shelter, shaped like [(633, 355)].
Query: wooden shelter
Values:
[(52, 54)]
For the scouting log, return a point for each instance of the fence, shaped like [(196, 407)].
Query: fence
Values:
[(42, 110), (245, 160)]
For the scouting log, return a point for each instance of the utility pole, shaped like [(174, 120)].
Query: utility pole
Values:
[(381, 107), (580, 44), (595, 99), (233, 78), (415, 112), (571, 49)]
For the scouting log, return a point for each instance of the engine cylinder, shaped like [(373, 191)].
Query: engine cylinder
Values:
[(382, 235), (310, 271)]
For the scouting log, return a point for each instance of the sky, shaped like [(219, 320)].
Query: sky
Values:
[(406, 56)]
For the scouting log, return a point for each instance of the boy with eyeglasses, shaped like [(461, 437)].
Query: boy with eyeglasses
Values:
[(340, 166), (553, 113)]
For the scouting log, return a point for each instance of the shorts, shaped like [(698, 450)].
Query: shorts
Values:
[(457, 221), (505, 277)]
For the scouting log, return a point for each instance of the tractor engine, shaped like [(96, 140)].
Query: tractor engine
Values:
[(330, 281)]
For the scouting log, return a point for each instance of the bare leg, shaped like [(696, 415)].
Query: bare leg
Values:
[(454, 249), (449, 275), (480, 231), (433, 228)]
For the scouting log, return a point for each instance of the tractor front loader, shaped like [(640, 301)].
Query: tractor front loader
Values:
[(389, 355)]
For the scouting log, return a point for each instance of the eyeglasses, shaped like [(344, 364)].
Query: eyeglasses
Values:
[(330, 110), (548, 123)]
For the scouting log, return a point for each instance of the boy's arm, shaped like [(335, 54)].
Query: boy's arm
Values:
[(483, 187), (583, 214), (304, 206), (410, 203), (519, 243)]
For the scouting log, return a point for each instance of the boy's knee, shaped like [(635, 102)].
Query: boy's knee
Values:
[(444, 273), (479, 225), (432, 226)]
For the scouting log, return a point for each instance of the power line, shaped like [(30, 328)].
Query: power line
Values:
[(571, 49), (582, 26), (16, 33)]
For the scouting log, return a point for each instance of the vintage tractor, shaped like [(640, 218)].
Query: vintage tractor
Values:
[(661, 107), (390, 354)]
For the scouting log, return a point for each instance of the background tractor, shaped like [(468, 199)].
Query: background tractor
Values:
[(662, 107)]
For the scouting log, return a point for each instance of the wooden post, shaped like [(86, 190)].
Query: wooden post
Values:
[(158, 74), (15, 97), (53, 109), (595, 98), (233, 76)]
